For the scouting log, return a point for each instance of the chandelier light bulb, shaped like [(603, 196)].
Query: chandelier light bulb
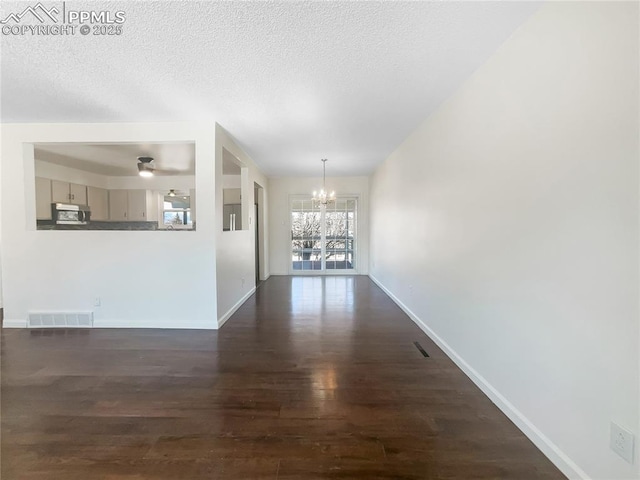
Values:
[(323, 198)]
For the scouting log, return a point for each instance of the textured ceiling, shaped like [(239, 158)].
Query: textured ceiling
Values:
[(293, 82)]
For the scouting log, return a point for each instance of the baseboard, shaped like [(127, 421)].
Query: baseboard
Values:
[(168, 324), (546, 446), (322, 273), (222, 320), (116, 323), (14, 323)]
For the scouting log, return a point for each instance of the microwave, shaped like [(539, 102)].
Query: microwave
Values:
[(68, 214)]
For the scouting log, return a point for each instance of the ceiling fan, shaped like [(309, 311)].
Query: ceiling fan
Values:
[(145, 167)]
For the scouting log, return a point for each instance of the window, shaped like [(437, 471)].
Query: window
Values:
[(340, 221), (176, 212), (323, 239)]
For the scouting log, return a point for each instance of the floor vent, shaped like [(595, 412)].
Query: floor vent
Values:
[(422, 350), (61, 320)]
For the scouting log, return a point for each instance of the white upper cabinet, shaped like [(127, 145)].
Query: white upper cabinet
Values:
[(60, 192), (78, 194), (98, 201), (137, 205), (118, 205), (132, 206), (64, 192), (43, 198)]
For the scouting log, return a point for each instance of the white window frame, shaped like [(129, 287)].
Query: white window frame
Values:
[(323, 226), (161, 223)]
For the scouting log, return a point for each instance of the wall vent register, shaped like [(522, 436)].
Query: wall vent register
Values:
[(422, 350), (60, 319)]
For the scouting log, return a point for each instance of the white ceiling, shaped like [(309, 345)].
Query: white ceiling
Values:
[(120, 159), (293, 82)]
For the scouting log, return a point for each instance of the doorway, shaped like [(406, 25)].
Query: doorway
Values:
[(258, 215)]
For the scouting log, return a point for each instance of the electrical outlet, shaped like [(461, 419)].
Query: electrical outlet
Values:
[(622, 442), (97, 302)]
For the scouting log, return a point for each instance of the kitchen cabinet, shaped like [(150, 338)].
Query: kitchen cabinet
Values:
[(78, 194), (231, 196), (98, 201), (137, 205), (43, 198), (131, 206), (64, 192), (60, 192), (118, 205)]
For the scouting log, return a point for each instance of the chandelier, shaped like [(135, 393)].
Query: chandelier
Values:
[(322, 198)]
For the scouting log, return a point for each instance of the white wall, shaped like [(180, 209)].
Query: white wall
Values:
[(1, 207), (280, 191), (507, 224), (236, 249), (231, 181), (143, 278)]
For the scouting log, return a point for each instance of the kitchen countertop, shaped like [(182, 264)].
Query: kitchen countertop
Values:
[(102, 225)]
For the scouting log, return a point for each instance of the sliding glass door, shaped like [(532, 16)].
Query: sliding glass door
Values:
[(323, 238)]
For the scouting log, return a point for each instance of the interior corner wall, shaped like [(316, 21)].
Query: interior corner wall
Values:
[(507, 226), (235, 250), (1, 296), (1, 290), (143, 278), (280, 191)]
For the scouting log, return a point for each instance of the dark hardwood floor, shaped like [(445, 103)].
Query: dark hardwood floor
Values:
[(312, 378)]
